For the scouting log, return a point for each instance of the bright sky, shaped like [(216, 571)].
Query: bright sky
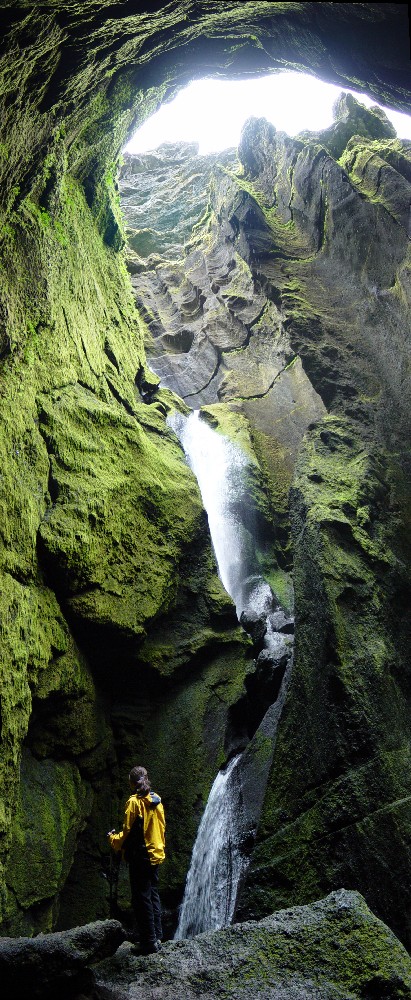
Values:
[(212, 112)]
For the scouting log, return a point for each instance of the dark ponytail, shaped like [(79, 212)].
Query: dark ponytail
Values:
[(139, 779)]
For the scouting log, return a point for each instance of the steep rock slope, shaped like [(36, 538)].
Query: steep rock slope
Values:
[(80, 448), (345, 301), (295, 285)]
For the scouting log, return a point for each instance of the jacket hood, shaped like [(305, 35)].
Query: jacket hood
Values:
[(154, 799), (151, 798)]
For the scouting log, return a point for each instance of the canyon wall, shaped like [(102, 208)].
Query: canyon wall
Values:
[(289, 309), (117, 639)]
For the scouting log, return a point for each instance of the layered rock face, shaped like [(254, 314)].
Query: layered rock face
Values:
[(113, 621), (214, 334), (345, 734), (283, 313)]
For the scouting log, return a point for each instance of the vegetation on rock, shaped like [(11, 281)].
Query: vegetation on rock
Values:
[(112, 618)]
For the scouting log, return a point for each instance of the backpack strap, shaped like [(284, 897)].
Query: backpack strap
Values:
[(134, 843)]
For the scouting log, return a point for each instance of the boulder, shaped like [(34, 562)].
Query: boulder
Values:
[(335, 949), (57, 964)]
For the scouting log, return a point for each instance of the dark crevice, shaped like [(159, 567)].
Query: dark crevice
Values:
[(262, 689), (238, 347), (291, 178), (322, 213), (120, 399), (215, 372), (111, 356)]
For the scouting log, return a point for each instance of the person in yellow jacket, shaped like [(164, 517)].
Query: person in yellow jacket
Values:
[(142, 842)]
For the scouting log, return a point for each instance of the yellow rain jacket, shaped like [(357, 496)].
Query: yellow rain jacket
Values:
[(149, 809)]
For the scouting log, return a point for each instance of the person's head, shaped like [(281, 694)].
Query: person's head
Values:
[(139, 780)]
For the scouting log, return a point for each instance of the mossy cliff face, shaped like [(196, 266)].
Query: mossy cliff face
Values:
[(338, 808), (98, 509), (285, 308), (103, 532)]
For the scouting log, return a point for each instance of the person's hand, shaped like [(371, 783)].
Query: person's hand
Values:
[(110, 832)]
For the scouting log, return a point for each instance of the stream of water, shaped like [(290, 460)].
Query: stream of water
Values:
[(217, 860), (218, 466)]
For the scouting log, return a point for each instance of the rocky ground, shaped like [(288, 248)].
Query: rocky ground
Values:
[(331, 950)]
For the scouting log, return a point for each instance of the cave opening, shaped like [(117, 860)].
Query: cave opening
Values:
[(212, 112)]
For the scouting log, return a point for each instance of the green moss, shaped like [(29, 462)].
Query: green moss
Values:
[(381, 171), (100, 555), (282, 586), (48, 817), (338, 803), (230, 422), (187, 743), (58, 330)]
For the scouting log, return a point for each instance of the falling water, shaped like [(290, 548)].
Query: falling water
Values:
[(216, 862), (219, 466)]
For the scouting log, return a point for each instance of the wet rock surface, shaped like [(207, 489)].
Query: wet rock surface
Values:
[(334, 949)]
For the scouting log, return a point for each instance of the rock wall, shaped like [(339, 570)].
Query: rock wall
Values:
[(285, 313), (103, 539), (103, 533)]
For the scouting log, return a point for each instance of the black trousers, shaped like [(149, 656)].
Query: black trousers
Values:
[(145, 900)]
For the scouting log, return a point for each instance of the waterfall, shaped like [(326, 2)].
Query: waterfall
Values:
[(219, 466), (217, 862)]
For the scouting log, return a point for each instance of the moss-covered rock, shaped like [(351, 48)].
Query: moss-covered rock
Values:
[(338, 805), (352, 119), (121, 508), (73, 378), (335, 949), (52, 805)]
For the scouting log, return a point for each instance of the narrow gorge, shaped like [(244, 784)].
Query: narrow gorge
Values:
[(205, 506)]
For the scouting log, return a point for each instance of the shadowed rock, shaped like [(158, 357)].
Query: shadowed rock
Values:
[(335, 949), (58, 964)]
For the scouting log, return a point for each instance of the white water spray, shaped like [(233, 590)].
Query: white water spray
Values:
[(219, 466), (216, 862)]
